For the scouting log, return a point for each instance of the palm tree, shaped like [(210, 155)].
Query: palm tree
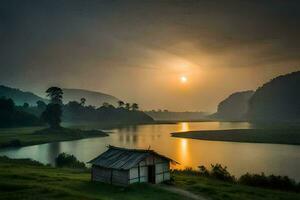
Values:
[(135, 106), (121, 104), (127, 106)]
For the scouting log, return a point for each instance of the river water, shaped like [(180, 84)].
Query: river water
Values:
[(238, 157)]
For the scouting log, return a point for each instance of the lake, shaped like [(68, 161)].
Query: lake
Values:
[(238, 157)]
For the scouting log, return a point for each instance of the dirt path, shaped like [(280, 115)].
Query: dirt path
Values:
[(182, 192)]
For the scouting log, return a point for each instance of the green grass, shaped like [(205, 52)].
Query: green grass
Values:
[(14, 137), (275, 136), (217, 190), (23, 179)]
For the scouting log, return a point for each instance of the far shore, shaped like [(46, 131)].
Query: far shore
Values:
[(19, 137), (272, 136), (27, 136)]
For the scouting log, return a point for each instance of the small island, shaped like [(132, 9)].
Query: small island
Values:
[(274, 136)]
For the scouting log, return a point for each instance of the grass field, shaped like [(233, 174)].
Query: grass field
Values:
[(219, 190), (14, 137), (24, 179), (276, 136)]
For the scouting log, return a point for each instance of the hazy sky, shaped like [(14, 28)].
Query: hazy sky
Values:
[(138, 50)]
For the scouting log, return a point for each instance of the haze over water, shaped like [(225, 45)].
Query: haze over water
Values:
[(238, 157)]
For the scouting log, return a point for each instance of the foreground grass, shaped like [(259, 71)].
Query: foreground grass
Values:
[(16, 137), (275, 136), (217, 190), (23, 179)]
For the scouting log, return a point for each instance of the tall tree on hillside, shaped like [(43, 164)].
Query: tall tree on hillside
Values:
[(135, 106), (55, 94), (52, 114), (121, 104)]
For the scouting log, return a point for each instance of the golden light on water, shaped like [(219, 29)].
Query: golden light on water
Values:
[(184, 126), (182, 152), (182, 146)]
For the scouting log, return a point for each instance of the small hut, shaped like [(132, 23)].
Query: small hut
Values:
[(121, 166)]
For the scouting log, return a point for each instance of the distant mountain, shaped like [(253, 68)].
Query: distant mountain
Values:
[(234, 107), (279, 99), (20, 97), (92, 98)]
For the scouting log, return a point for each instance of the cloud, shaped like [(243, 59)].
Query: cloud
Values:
[(64, 41)]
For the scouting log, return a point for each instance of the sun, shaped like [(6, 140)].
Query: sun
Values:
[(183, 79)]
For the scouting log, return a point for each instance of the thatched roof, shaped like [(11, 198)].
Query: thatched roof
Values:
[(122, 158)]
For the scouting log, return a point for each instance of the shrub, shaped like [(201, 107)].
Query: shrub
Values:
[(221, 173), (67, 160), (272, 181), (203, 171)]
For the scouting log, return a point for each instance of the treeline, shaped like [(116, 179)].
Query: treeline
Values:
[(75, 111), (220, 172), (12, 116)]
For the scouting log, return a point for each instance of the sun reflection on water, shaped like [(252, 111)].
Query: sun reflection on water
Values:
[(184, 126)]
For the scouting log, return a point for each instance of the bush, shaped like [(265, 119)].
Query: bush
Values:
[(219, 172), (272, 181), (203, 171), (67, 160)]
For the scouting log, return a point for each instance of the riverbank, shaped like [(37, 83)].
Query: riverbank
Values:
[(26, 136), (18, 137), (273, 136), (111, 125), (25, 179)]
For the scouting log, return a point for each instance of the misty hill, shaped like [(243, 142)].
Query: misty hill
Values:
[(92, 98), (176, 116), (20, 97), (234, 107), (278, 99)]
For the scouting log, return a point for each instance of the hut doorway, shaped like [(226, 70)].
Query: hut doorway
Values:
[(151, 173)]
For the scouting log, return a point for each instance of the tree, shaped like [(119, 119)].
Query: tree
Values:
[(25, 105), (7, 109), (55, 94), (127, 106), (82, 101), (121, 104), (135, 106), (41, 105), (52, 114)]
